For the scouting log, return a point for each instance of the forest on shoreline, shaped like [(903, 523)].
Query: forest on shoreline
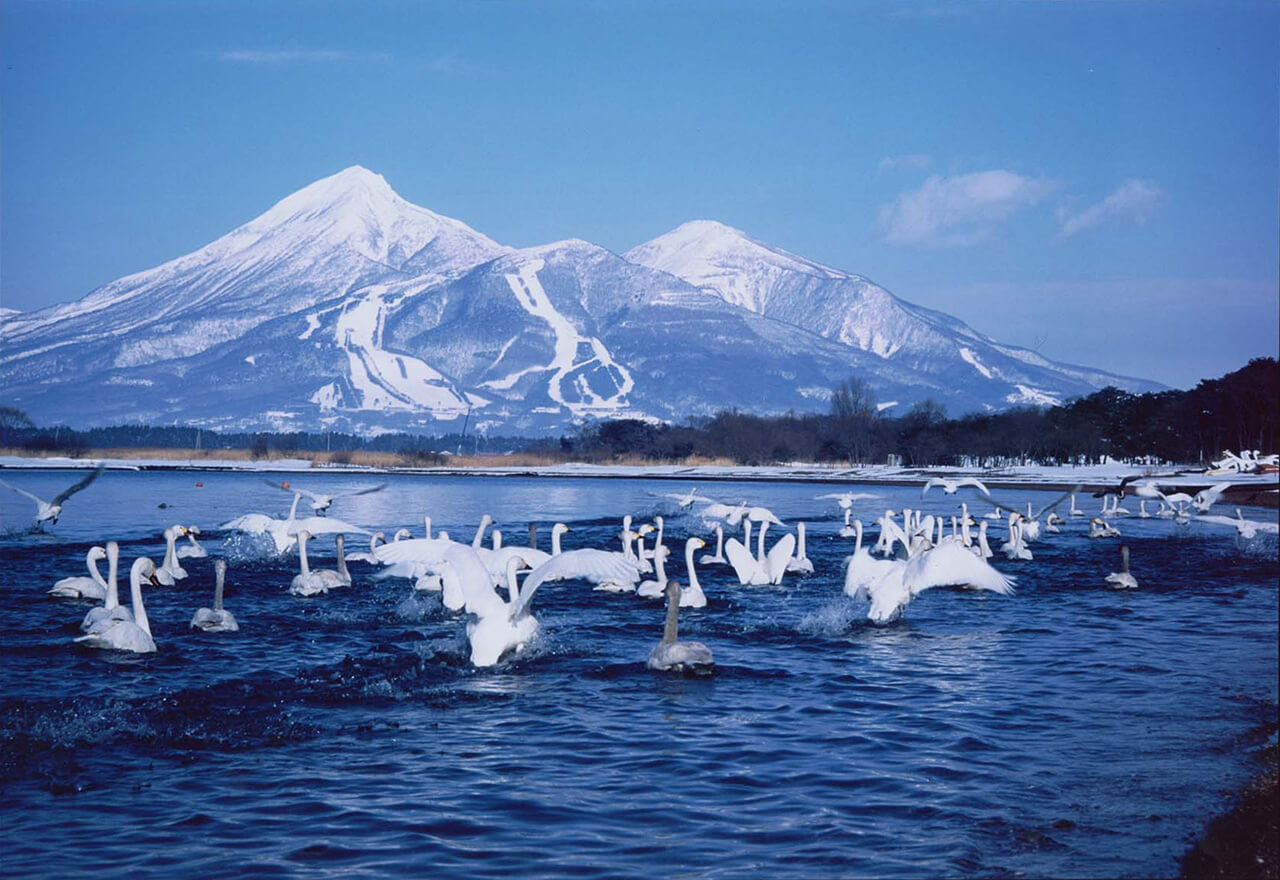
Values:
[(1240, 410)]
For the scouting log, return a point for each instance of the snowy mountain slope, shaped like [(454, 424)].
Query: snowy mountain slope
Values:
[(855, 311), (345, 306)]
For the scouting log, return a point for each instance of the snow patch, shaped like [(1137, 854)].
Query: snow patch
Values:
[(881, 407), (251, 360), (1026, 394), (313, 324), (970, 358)]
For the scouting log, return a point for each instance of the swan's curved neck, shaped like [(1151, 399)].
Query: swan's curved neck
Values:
[(219, 582), (135, 596), (93, 570), (113, 591), (170, 550), (673, 617), (693, 572), (302, 556), (342, 557), (480, 530)]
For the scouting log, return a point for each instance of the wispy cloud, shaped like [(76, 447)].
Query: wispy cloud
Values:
[(1134, 200), (911, 160), (297, 56), (959, 210)]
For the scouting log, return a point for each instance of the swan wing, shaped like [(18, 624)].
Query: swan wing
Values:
[(776, 559), (743, 562), (325, 525), (973, 481), (250, 522), (951, 565), (71, 490), (933, 481), (596, 566), (293, 490), (21, 492), (430, 551), (369, 491), (1055, 502)]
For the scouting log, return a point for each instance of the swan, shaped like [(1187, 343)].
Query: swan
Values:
[(800, 562), (692, 595), (763, 515), (485, 522), (49, 511), (671, 655), (861, 570), (378, 538), (1030, 526), (983, 549), (653, 589), (950, 487), (495, 561), (81, 587), (465, 582), (1016, 547), (311, 582), (848, 531), (217, 618), (1206, 498), (760, 569), (1098, 528), (846, 499), (593, 566), (1142, 509), (193, 550), (718, 556), (646, 556), (110, 611), (732, 515), (283, 532), (170, 570), (320, 503), (1123, 580), (503, 627), (1074, 511), (948, 565), (128, 635), (684, 501), (1053, 521)]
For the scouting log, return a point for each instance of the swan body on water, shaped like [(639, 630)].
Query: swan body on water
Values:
[(378, 538), (671, 654), (170, 570), (312, 582), (1123, 580), (128, 635), (1099, 528), (81, 587), (718, 556), (49, 511), (193, 549), (217, 618), (800, 562)]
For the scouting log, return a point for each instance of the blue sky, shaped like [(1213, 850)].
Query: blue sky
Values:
[(1095, 179)]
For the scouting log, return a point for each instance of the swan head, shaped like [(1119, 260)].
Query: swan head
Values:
[(220, 568), (560, 529), (695, 543), (303, 535), (96, 552), (144, 570), (645, 529), (192, 530), (659, 520), (672, 591)]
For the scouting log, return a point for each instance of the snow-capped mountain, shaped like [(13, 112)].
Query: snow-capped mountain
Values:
[(852, 310), (345, 306)]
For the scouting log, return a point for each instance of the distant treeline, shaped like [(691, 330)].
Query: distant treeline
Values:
[(17, 430), (1241, 410)]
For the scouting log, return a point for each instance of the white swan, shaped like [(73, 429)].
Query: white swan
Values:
[(485, 522), (861, 570), (170, 570), (950, 487), (321, 503), (1123, 580), (846, 499), (503, 627), (283, 532), (982, 550), (670, 654), (217, 618), (193, 550), (1099, 528), (848, 531), (692, 595), (1142, 509), (1206, 498), (718, 556), (128, 635), (110, 611), (1246, 530), (948, 565), (81, 587), (49, 511), (1074, 511), (684, 501), (1016, 546), (465, 583), (800, 562), (312, 582), (762, 568), (378, 538), (655, 587), (1030, 526)]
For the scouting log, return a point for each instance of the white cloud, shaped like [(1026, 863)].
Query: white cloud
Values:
[(1134, 200), (911, 160), (959, 210)]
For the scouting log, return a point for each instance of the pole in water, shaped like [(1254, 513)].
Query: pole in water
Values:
[(533, 536)]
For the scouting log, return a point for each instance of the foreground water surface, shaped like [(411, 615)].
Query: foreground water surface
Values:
[(1067, 730)]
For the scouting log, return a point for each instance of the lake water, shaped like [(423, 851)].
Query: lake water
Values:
[(1067, 730)]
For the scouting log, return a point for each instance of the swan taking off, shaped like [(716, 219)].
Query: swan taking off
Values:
[(1123, 580), (670, 654), (321, 503), (217, 618), (49, 511), (129, 635), (81, 587), (948, 565), (950, 487)]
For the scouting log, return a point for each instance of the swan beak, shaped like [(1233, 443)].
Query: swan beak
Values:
[(153, 580)]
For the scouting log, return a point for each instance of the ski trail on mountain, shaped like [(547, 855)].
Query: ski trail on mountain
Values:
[(599, 364), (390, 380)]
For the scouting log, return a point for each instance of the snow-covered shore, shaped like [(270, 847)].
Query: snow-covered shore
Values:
[(1262, 489)]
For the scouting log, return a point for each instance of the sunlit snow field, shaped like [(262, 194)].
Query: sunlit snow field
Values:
[(1067, 730)]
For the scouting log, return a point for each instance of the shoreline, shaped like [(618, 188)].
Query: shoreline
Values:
[(1243, 842), (1257, 490)]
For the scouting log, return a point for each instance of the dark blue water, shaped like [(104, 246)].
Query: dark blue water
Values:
[(1067, 730)]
